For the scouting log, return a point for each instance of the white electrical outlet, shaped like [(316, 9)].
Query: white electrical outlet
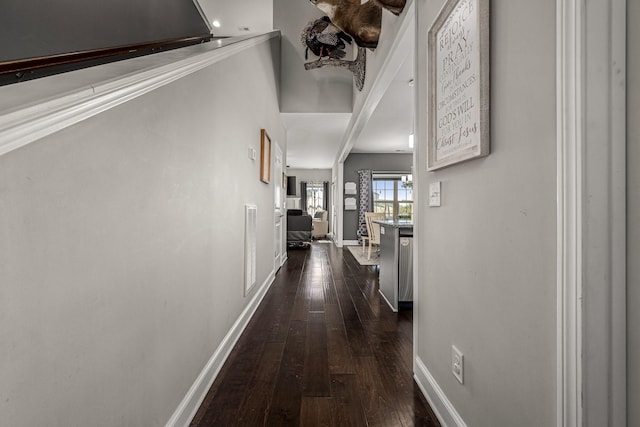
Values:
[(457, 364)]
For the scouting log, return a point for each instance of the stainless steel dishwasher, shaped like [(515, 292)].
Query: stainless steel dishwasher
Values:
[(396, 263), (405, 269)]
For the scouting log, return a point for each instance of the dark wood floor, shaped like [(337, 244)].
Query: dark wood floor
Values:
[(323, 349)]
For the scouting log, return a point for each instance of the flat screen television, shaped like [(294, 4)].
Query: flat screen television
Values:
[(291, 186)]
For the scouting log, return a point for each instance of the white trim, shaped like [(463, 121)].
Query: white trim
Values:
[(618, 90), (340, 205), (591, 216), (32, 122), (570, 108), (400, 49), (416, 171), (604, 220), (203, 15), (190, 404), (384, 297), (350, 243), (441, 405)]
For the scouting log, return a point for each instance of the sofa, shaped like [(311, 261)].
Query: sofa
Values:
[(299, 228), (320, 225)]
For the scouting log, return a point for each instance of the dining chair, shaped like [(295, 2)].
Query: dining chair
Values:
[(373, 230)]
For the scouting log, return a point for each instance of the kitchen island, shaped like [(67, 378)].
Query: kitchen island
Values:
[(396, 262)]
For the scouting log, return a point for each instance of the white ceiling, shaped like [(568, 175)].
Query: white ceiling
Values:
[(388, 129), (314, 139)]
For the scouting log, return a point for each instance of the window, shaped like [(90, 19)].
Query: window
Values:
[(315, 198), (393, 197)]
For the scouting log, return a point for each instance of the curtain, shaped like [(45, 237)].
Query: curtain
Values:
[(365, 189), (303, 196), (325, 193)]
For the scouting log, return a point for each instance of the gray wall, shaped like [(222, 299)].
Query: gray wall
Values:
[(377, 163), (633, 211), (71, 26), (122, 270), (325, 90), (486, 274)]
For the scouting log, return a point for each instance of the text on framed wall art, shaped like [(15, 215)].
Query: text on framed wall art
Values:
[(458, 83)]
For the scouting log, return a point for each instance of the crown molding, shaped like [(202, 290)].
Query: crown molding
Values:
[(26, 124)]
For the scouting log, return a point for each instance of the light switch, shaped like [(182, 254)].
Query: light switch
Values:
[(252, 153), (434, 194)]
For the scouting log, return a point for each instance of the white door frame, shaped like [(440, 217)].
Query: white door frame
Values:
[(591, 229), (280, 251), (339, 203)]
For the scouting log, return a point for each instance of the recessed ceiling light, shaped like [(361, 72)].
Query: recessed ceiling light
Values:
[(216, 23)]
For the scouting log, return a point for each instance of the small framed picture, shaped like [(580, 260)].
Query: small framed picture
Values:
[(265, 157)]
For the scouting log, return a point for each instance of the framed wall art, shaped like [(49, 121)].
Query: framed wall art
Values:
[(458, 83), (265, 157)]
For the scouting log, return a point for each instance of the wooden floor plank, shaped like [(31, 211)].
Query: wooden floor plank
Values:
[(377, 401), (346, 398), (317, 411), (287, 395), (323, 349), (340, 359), (315, 380), (257, 400), (301, 305)]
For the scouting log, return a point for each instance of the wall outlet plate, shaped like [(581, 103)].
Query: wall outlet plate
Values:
[(457, 364)]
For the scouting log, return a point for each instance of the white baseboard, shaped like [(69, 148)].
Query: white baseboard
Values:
[(442, 407), (191, 403), (395, 310)]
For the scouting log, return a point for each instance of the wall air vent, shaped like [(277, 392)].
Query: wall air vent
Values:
[(250, 252)]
